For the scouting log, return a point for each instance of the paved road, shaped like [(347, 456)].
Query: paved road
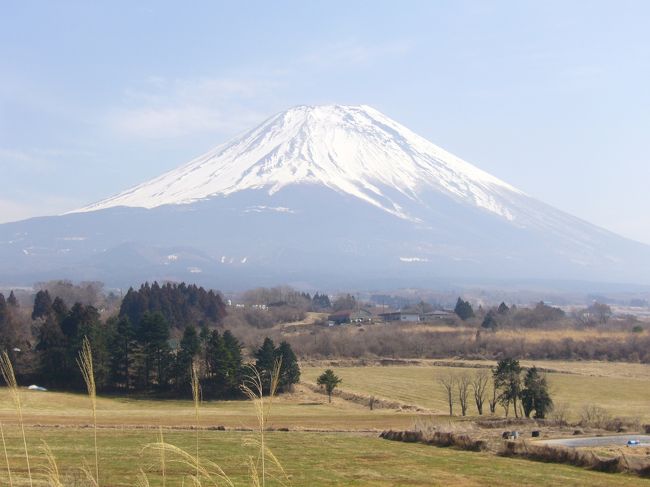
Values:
[(618, 440)]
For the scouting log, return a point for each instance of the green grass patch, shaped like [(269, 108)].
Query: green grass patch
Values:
[(418, 385), (310, 459)]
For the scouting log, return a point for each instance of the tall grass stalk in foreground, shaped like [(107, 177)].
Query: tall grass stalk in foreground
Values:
[(161, 439), (196, 396), (8, 375), (4, 447), (52, 476), (253, 387), (207, 472), (85, 362)]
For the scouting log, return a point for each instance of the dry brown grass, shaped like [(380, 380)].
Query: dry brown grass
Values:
[(4, 448), (85, 362), (253, 387), (7, 370), (535, 335), (624, 397), (52, 475)]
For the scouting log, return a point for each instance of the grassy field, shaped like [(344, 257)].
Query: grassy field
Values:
[(328, 444), (302, 410), (309, 459), (620, 388)]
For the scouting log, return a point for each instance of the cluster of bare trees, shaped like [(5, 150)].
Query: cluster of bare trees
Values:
[(508, 389), (463, 389)]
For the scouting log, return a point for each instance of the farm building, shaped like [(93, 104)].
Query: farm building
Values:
[(350, 316), (401, 316), (438, 315)]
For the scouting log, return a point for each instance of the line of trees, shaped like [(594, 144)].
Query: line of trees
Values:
[(179, 304), (529, 395), (140, 349), (8, 321)]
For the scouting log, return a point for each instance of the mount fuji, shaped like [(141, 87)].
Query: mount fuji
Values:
[(320, 196)]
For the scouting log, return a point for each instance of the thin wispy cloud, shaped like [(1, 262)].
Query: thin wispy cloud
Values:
[(353, 53), (38, 159), (163, 108)]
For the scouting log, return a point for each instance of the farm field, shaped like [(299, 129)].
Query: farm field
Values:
[(309, 459), (302, 410), (327, 444), (622, 389)]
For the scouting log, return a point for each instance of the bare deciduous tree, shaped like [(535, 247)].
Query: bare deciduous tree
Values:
[(493, 400), (463, 383), (479, 387), (560, 413), (448, 382)]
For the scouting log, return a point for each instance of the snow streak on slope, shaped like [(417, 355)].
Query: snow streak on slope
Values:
[(350, 149)]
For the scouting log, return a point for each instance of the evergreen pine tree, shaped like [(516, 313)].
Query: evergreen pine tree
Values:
[(121, 347), (289, 370), (265, 361), (6, 330), (60, 309), (42, 305), (189, 348), (507, 381), (463, 309), (535, 395), (52, 356), (153, 335), (490, 321), (233, 363), (330, 381)]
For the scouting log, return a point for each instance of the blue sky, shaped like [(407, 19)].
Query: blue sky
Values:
[(552, 97)]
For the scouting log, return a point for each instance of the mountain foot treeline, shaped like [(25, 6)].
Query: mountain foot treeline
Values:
[(141, 349)]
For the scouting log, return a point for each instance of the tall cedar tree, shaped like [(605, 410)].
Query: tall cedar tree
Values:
[(224, 365), (535, 396), (507, 380), (42, 305), (189, 348), (233, 363), (59, 309), (52, 355), (463, 309), (265, 357), (122, 348), (59, 343), (8, 331), (153, 338), (289, 370), (490, 321)]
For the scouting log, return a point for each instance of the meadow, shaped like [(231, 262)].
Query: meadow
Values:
[(309, 459), (326, 444), (622, 389)]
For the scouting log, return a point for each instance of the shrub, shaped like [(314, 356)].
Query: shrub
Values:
[(595, 417)]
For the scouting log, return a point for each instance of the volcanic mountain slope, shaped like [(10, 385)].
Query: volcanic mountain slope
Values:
[(321, 195)]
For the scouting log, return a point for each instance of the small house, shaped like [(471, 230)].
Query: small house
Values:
[(402, 316)]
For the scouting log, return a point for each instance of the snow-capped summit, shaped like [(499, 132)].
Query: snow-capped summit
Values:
[(351, 149)]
